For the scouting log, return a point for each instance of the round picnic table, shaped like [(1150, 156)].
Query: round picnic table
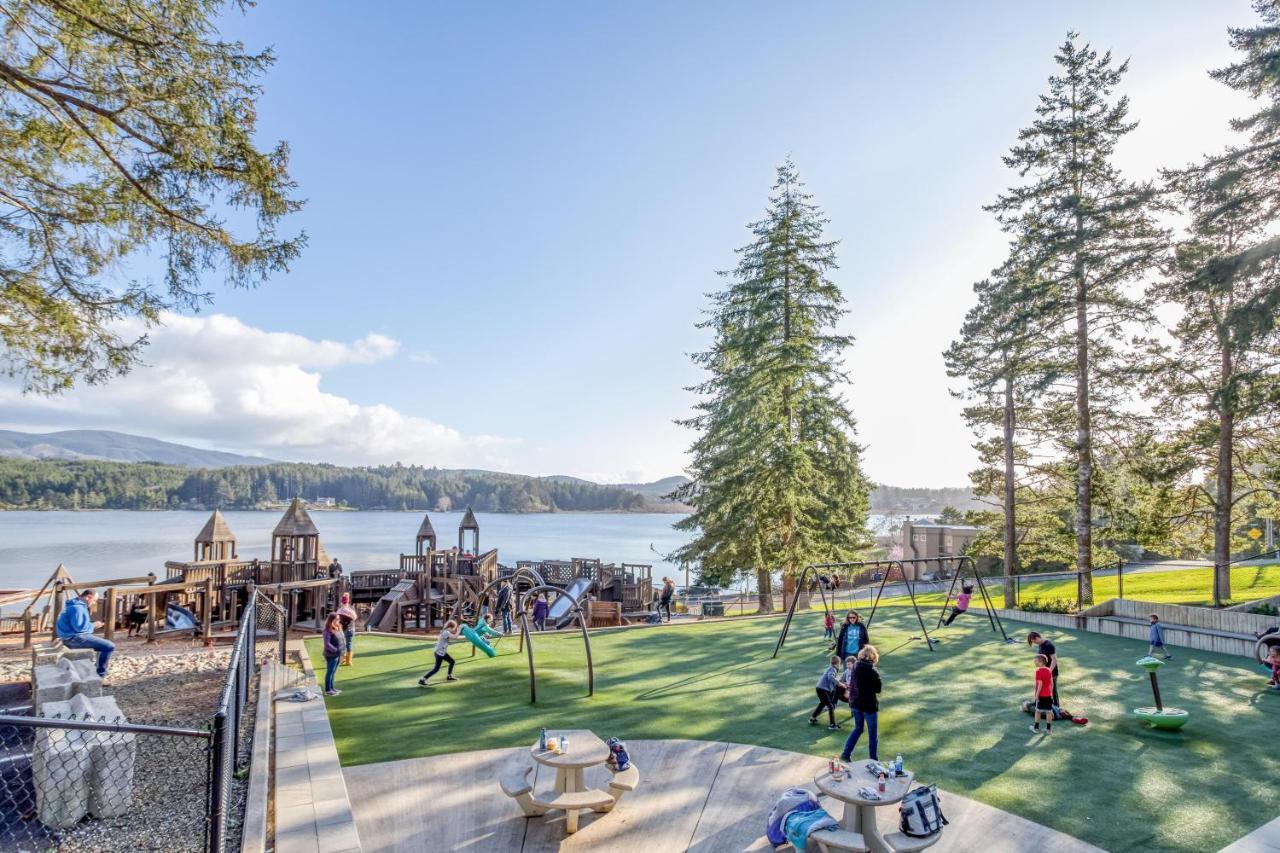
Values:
[(860, 812), (585, 750)]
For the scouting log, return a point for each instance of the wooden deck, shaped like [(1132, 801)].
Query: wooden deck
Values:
[(694, 795)]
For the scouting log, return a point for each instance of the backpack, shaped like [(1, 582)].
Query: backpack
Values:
[(921, 813), (793, 799)]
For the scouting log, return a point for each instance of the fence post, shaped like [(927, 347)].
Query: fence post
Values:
[(151, 612), (217, 783), (57, 611), (208, 611), (1120, 576)]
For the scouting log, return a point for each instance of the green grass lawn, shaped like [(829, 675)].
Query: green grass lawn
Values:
[(1179, 586), (952, 714)]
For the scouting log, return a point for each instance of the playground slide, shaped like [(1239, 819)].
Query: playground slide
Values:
[(386, 613), (561, 614), (478, 641)]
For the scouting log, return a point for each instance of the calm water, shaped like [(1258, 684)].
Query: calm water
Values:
[(119, 543)]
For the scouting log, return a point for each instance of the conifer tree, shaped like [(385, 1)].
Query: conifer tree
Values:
[(1006, 361), (128, 127), (1084, 234), (776, 475), (1218, 382)]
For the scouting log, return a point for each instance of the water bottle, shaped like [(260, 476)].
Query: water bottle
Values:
[(564, 744), (542, 739), (897, 765)]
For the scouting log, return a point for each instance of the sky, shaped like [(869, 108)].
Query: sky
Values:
[(515, 212)]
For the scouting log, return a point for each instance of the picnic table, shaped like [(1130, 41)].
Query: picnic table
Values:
[(571, 794), (859, 811)]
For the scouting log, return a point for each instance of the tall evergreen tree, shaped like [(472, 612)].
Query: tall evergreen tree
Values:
[(1218, 381), (777, 479), (1084, 234), (1006, 362)]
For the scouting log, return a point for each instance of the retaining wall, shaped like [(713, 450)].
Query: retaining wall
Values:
[(1176, 619)]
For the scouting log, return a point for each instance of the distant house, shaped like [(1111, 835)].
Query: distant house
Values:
[(925, 540)]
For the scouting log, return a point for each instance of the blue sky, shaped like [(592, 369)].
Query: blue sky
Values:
[(524, 205)]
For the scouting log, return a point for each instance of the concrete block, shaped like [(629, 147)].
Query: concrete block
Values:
[(79, 772)]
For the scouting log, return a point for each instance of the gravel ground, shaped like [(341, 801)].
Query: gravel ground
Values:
[(174, 686)]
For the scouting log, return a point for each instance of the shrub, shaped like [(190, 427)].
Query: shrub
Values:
[(1048, 605), (1265, 609)]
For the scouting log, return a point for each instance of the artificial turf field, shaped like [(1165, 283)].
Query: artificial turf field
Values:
[(953, 714)]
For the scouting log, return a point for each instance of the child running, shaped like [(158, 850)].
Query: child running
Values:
[(829, 623), (1157, 639), (1044, 695), (827, 696), (962, 604), (448, 634)]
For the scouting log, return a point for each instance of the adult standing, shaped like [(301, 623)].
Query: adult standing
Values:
[(865, 702), (853, 636), (335, 644), (1046, 648), (504, 605), (75, 628), (347, 618), (664, 600)]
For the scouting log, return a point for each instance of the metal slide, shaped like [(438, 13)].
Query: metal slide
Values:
[(561, 613)]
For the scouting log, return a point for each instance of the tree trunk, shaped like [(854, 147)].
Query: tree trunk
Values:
[(1010, 529), (1224, 487), (764, 588), (1084, 446)]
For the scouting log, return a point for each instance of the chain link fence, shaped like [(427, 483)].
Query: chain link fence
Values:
[(93, 783)]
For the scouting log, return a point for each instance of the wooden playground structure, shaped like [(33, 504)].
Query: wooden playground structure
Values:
[(428, 585), (434, 584)]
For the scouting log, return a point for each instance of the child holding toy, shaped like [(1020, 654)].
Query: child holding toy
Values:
[(448, 634), (827, 696), (962, 604), (1043, 695)]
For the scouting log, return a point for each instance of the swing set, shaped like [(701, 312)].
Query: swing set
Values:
[(961, 562), (887, 565)]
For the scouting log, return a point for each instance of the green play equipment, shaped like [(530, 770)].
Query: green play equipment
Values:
[(1159, 717)]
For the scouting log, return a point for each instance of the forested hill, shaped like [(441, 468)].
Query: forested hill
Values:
[(49, 484)]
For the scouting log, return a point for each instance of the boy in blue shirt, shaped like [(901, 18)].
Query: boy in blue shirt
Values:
[(1157, 639), (75, 628)]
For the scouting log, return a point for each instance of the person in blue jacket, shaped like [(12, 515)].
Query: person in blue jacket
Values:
[(75, 628), (853, 636)]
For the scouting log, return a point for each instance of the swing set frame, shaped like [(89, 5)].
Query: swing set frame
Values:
[(889, 566), (961, 561)]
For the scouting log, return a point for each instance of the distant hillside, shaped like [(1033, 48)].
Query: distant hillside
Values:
[(658, 489), (901, 500), (92, 484), (110, 446)]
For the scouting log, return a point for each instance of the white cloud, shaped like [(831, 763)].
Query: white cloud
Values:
[(423, 357), (218, 381)]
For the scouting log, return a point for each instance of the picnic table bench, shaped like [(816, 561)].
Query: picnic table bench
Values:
[(570, 794)]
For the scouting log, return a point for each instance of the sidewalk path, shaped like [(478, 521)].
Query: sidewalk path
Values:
[(703, 796)]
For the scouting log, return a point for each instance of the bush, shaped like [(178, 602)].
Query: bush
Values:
[(1265, 610), (1048, 605)]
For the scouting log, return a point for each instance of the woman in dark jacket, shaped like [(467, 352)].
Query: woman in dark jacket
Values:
[(853, 636), (865, 702)]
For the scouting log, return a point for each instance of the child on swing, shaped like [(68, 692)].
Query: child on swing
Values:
[(962, 603)]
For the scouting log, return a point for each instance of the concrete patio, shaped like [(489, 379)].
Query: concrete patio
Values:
[(693, 795)]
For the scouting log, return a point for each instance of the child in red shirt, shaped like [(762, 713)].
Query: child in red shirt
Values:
[(830, 624), (1044, 695)]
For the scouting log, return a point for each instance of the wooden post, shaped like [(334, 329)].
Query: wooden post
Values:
[(151, 612), (26, 628), (109, 623), (57, 611), (207, 609)]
